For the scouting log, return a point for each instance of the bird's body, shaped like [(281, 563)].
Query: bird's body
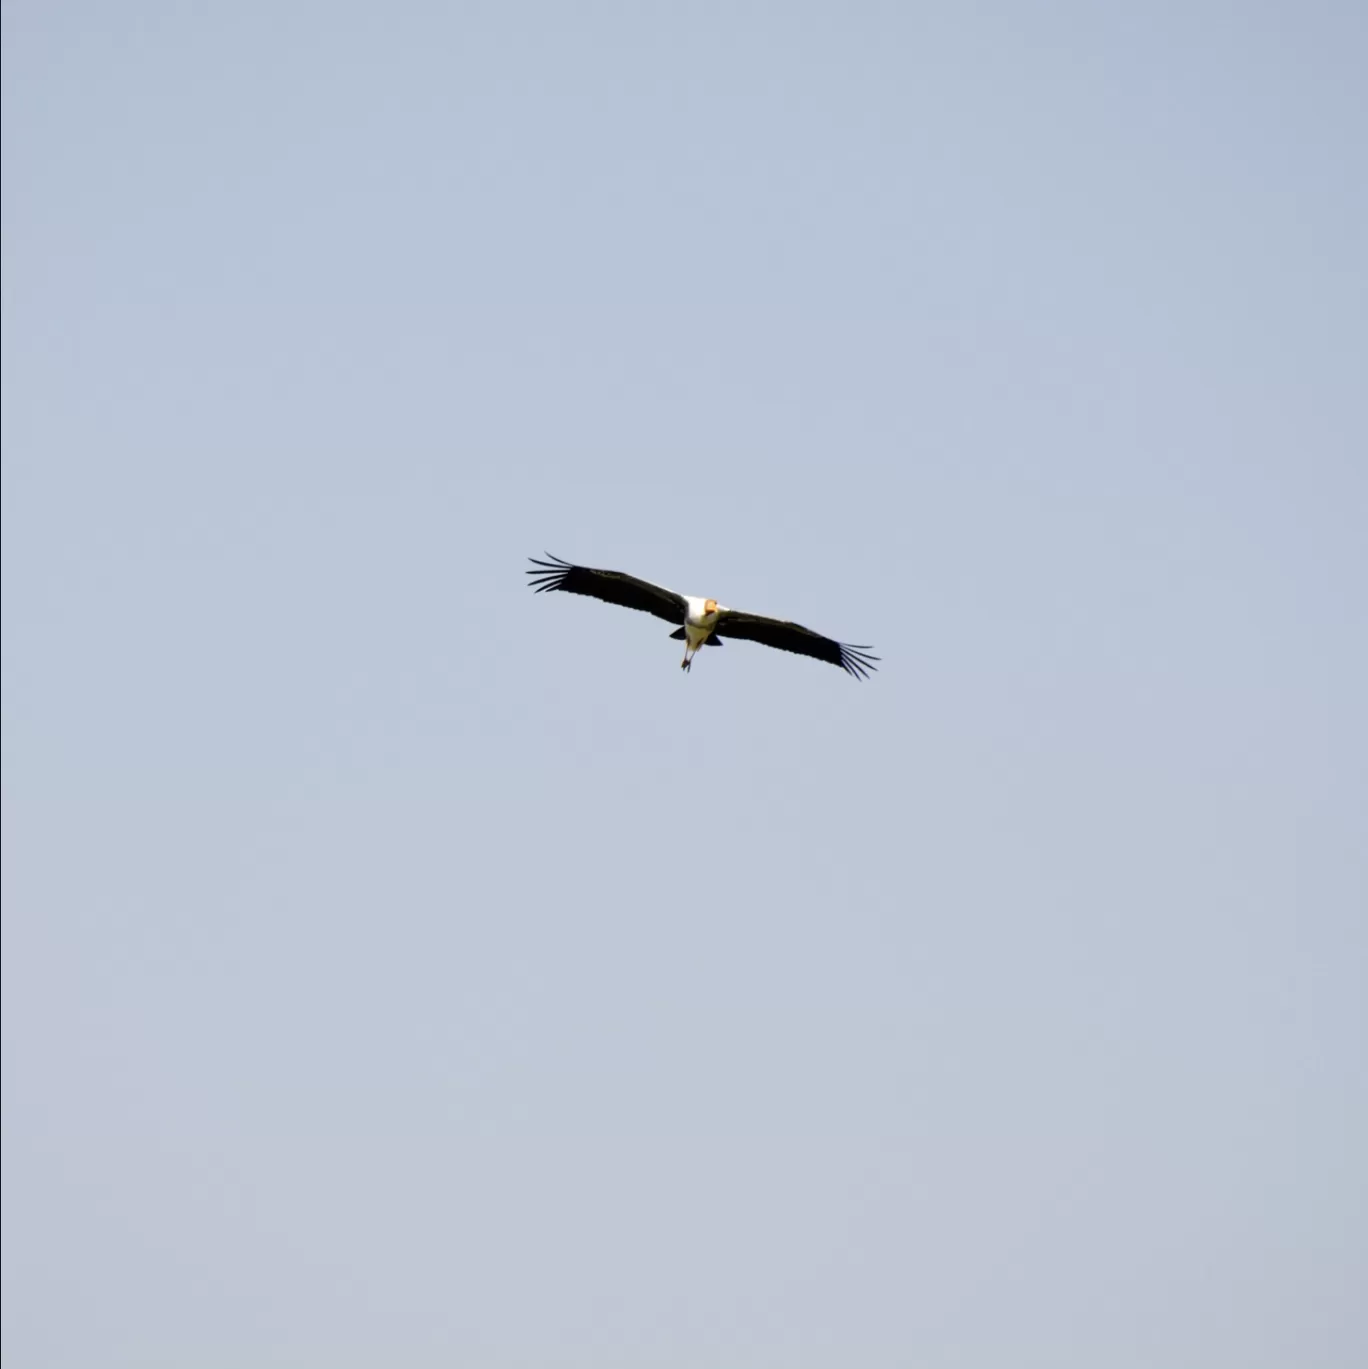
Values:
[(700, 621)]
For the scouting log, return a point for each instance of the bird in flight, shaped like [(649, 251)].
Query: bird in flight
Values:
[(699, 620)]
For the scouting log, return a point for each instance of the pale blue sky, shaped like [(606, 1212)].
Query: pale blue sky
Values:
[(400, 968)]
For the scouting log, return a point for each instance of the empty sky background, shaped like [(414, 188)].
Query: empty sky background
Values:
[(400, 968)]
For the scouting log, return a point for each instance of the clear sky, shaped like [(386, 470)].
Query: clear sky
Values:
[(400, 968)]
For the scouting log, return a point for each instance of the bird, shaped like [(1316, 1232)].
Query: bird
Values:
[(699, 621)]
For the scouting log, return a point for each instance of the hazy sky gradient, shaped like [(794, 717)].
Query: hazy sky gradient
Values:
[(400, 968)]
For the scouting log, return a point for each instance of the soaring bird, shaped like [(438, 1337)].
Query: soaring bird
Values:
[(700, 620)]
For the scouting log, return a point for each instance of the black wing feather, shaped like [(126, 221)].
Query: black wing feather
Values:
[(751, 627), (612, 586)]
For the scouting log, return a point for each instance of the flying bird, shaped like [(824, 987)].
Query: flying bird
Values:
[(699, 620)]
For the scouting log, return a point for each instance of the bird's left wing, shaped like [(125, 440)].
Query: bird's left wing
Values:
[(775, 632), (612, 586)]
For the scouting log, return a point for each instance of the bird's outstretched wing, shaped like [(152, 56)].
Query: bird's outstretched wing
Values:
[(774, 632), (612, 586)]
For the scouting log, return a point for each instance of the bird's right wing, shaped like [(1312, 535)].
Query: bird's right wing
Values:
[(612, 586)]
